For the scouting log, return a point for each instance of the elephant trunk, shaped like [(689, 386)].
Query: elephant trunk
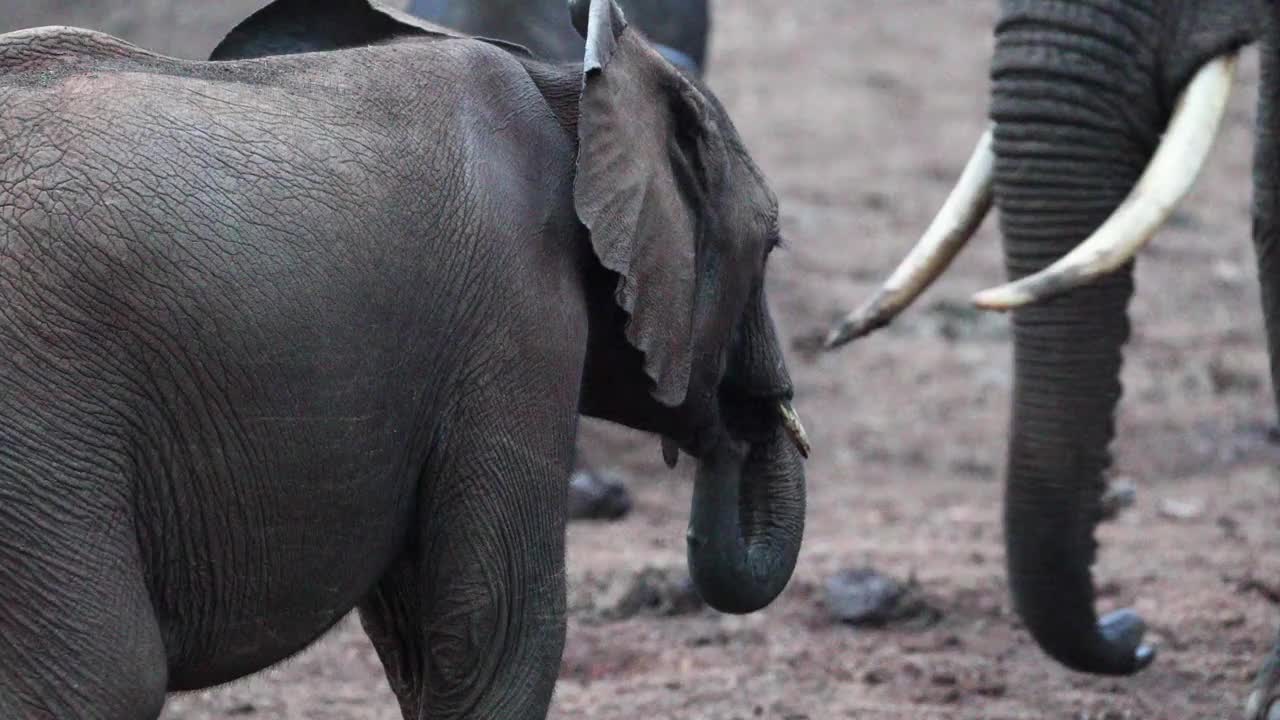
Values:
[(747, 518), (1062, 167), (746, 522)]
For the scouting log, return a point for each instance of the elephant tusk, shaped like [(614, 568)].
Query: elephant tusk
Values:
[(1167, 179), (954, 225), (795, 431)]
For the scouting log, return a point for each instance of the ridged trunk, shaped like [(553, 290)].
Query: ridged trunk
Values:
[(1266, 193), (747, 517), (1067, 155)]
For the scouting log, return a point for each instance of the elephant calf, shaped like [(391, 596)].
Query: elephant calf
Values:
[(291, 335), (678, 29)]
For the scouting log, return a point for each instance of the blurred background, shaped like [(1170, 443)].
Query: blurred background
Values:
[(862, 114)]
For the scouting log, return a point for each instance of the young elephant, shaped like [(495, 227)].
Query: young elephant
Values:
[(677, 28), (291, 335)]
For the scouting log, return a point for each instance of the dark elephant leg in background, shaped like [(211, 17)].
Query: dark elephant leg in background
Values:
[(80, 638), (470, 621)]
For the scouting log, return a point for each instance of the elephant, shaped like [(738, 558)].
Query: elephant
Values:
[(1102, 113), (295, 335), (677, 28)]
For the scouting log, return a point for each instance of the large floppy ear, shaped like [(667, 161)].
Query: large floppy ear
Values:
[(287, 27), (641, 188)]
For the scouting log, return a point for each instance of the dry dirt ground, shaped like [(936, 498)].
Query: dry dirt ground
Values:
[(862, 113)]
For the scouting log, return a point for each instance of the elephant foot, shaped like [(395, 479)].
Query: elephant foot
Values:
[(1262, 707), (597, 496), (1264, 700)]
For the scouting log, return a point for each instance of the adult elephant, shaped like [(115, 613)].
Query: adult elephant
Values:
[(1102, 112), (290, 335), (677, 28)]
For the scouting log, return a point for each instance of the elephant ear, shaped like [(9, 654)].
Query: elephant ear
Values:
[(640, 188), (288, 27)]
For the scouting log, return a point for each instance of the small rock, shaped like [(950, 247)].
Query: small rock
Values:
[(1228, 273), (1181, 509), (1227, 379), (597, 497), (866, 597), (719, 637), (944, 678), (972, 467), (660, 592), (991, 688), (862, 596), (876, 201), (876, 676), (1229, 526), (1121, 495), (881, 80), (1231, 619), (243, 709), (1270, 593)]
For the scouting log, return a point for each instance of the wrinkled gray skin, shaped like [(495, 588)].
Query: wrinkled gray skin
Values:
[(292, 335), (677, 28), (1081, 94)]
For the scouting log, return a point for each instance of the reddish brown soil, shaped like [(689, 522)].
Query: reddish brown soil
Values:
[(862, 113)]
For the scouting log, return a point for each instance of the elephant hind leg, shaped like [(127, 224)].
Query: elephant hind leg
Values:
[(473, 629), (470, 620), (78, 636)]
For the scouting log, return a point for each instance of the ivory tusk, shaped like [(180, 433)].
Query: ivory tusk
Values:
[(954, 225), (795, 431), (1165, 182)]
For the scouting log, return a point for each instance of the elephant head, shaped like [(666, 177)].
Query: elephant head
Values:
[(683, 222), (1102, 112), (680, 223)]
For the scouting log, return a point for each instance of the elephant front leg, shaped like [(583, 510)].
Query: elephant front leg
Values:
[(1264, 700), (470, 621)]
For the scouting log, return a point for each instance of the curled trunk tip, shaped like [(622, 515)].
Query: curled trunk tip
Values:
[(746, 523)]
